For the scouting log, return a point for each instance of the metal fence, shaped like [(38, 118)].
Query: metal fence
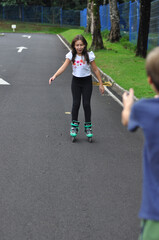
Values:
[(52, 15), (129, 20), (154, 25)]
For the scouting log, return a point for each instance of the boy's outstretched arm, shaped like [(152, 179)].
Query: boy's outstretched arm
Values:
[(128, 100), (60, 70)]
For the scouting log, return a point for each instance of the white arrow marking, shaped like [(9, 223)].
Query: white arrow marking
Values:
[(21, 49), (2, 82), (27, 36)]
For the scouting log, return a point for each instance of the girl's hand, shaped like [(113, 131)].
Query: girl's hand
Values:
[(101, 88), (52, 79), (60, 70)]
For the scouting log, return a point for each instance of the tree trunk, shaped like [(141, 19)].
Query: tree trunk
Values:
[(145, 9), (114, 35), (97, 42), (89, 17), (92, 18)]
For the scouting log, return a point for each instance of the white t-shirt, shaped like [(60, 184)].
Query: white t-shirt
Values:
[(80, 68)]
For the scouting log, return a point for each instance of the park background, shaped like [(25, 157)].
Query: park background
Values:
[(116, 60)]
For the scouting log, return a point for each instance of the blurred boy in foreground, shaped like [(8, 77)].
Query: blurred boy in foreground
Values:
[(145, 115)]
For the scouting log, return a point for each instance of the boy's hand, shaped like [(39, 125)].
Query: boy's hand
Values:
[(128, 98)]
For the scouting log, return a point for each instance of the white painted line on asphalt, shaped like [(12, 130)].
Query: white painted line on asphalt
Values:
[(113, 96), (2, 82), (106, 89), (67, 113), (110, 93), (63, 42), (20, 49), (26, 36)]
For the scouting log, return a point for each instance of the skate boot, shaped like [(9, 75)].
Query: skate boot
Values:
[(88, 131), (74, 130)]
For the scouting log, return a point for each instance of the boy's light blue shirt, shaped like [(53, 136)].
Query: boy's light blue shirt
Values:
[(145, 114)]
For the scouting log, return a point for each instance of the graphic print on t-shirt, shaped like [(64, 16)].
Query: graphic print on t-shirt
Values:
[(78, 63)]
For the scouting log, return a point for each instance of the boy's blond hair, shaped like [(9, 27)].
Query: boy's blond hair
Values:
[(152, 66)]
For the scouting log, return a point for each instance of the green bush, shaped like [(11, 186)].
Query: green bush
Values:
[(105, 34), (126, 44)]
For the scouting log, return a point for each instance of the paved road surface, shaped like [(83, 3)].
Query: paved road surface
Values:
[(51, 188)]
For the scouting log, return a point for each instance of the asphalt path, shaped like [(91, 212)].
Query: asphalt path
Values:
[(51, 188)]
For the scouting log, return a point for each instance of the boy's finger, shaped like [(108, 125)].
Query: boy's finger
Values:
[(131, 92), (125, 94)]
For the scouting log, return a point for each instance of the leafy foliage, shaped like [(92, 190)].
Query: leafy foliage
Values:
[(65, 4), (127, 44), (124, 40), (20, 2), (105, 34)]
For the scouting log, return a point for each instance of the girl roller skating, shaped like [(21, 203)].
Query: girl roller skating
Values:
[(82, 62)]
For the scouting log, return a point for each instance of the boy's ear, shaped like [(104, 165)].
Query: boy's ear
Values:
[(149, 80)]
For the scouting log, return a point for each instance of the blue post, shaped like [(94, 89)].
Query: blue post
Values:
[(42, 12), (85, 17), (104, 17), (82, 18), (3, 13), (130, 21), (81, 25), (61, 16)]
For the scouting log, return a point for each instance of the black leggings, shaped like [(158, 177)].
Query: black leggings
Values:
[(81, 86)]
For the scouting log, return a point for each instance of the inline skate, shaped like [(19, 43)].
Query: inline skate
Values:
[(74, 130), (88, 131)]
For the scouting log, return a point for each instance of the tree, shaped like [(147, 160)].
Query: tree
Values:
[(15, 2), (12, 2), (145, 9), (89, 28), (97, 42), (114, 34), (21, 2), (65, 4), (89, 16)]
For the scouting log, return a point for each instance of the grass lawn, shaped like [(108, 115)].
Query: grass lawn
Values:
[(119, 63), (115, 60), (22, 27)]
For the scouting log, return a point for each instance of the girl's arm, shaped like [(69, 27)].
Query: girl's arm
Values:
[(97, 73), (60, 70)]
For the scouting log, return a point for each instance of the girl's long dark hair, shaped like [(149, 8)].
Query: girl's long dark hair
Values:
[(84, 53)]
